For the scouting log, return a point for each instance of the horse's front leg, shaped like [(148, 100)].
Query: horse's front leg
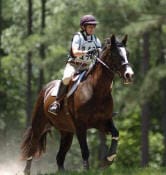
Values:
[(109, 158), (115, 136), (82, 135)]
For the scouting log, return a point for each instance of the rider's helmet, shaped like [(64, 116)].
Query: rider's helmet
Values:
[(88, 19)]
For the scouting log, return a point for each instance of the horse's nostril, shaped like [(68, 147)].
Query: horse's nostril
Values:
[(128, 75)]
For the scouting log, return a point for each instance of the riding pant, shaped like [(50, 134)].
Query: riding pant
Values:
[(70, 70)]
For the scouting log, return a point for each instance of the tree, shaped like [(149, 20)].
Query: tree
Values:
[(145, 107), (42, 45), (29, 65), (159, 61)]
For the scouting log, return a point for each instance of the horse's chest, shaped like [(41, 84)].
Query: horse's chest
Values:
[(92, 114), (97, 107), (84, 95), (88, 104)]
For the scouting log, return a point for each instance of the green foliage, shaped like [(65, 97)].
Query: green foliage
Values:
[(118, 171), (152, 79), (156, 149)]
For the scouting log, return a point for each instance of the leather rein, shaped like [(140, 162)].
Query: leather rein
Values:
[(108, 68)]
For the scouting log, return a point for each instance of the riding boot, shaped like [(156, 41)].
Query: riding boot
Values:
[(55, 106)]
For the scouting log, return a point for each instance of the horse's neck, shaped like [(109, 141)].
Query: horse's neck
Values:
[(102, 81)]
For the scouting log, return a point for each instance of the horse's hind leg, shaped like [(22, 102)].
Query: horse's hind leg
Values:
[(65, 143)]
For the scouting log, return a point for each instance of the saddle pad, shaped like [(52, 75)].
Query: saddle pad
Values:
[(54, 90)]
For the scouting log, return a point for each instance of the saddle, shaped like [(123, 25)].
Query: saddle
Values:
[(77, 78), (76, 81)]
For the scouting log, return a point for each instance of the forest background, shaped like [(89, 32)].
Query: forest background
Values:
[(34, 42)]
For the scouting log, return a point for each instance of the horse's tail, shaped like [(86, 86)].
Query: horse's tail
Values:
[(34, 141)]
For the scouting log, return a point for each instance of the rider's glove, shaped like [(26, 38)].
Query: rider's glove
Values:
[(92, 51)]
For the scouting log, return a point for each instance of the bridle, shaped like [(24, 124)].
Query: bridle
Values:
[(104, 64), (112, 70)]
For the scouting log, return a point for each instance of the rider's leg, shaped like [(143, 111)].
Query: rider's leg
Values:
[(55, 106), (68, 72)]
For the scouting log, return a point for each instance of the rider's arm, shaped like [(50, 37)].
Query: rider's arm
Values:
[(78, 53), (75, 47), (99, 46)]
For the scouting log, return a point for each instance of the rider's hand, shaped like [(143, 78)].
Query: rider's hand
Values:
[(92, 51), (84, 52), (79, 53)]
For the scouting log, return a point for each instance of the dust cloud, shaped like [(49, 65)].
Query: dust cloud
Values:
[(11, 163), (11, 167)]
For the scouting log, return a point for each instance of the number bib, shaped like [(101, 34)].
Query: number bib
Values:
[(87, 45)]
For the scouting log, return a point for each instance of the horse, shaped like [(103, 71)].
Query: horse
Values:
[(90, 106)]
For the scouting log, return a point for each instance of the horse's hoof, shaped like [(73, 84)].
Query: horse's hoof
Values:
[(111, 158), (107, 161), (61, 169)]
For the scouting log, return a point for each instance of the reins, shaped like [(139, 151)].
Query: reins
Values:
[(108, 68), (104, 64)]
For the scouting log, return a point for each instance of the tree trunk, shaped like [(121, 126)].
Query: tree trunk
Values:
[(29, 66), (163, 90), (145, 106), (42, 46), (3, 93), (0, 36), (163, 86)]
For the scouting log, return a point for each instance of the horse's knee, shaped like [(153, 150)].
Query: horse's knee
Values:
[(115, 133)]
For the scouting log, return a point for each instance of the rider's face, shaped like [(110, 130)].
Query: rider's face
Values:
[(90, 29)]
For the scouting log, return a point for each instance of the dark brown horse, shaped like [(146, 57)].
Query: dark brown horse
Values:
[(91, 106)]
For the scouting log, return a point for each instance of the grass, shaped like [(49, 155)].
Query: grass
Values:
[(119, 171)]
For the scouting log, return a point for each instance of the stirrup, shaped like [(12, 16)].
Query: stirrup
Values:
[(54, 108)]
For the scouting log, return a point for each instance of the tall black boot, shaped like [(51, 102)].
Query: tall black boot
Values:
[(55, 106)]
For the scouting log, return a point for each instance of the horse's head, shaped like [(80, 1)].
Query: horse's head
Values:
[(115, 56)]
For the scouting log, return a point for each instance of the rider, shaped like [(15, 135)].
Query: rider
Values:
[(80, 57)]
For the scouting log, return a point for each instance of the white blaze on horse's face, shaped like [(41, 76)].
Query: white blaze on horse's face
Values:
[(128, 74), (123, 54)]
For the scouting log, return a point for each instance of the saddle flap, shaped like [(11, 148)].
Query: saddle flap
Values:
[(78, 79)]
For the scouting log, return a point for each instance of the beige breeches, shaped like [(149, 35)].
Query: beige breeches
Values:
[(68, 73)]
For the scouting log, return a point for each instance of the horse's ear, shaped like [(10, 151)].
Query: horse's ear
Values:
[(113, 39), (124, 41)]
